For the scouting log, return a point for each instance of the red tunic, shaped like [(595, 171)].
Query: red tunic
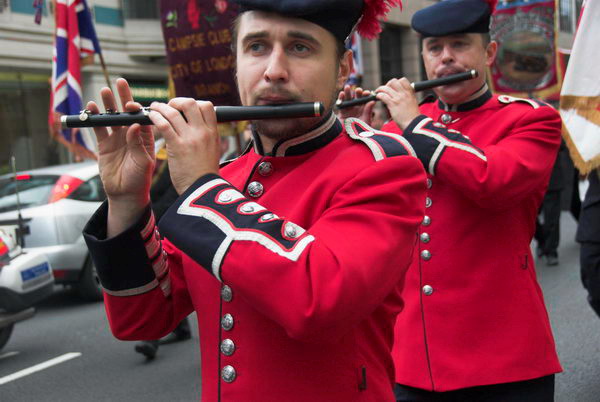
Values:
[(474, 313), (292, 262)]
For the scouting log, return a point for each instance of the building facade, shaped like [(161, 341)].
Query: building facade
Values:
[(132, 45)]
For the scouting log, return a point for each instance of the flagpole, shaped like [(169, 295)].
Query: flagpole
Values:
[(104, 70)]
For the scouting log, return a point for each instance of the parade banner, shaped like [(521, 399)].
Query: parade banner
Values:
[(580, 95), (197, 37), (526, 64)]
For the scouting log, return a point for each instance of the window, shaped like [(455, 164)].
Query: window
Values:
[(140, 9), (24, 104), (569, 12), (33, 191), (91, 190), (390, 53)]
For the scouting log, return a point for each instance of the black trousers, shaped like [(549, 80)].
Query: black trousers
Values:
[(590, 272), (548, 233), (536, 390)]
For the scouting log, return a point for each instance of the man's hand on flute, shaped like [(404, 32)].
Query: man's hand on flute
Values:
[(126, 161)]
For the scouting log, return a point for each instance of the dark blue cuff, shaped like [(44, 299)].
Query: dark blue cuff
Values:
[(424, 146), (122, 262)]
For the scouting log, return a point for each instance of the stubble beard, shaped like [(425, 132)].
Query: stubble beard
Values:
[(283, 129)]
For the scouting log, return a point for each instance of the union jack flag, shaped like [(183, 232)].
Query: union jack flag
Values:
[(75, 43), (355, 78)]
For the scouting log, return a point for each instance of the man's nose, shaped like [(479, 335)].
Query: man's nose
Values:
[(278, 66), (447, 55)]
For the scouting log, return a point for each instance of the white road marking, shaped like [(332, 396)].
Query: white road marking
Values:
[(39, 367), (8, 354)]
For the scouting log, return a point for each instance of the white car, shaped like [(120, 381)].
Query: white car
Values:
[(55, 204), (25, 279)]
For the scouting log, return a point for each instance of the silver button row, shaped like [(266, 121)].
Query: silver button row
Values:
[(255, 188), (227, 346)]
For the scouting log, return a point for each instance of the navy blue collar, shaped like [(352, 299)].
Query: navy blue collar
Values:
[(478, 99), (325, 132)]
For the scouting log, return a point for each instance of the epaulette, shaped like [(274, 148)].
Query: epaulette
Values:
[(382, 144), (507, 99)]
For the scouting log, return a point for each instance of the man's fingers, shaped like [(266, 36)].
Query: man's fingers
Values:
[(384, 97), (132, 106), (101, 132), (108, 99), (162, 124), (208, 114), (190, 110), (124, 91), (136, 144), (175, 119), (110, 103)]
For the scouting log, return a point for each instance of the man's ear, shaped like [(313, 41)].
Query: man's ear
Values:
[(346, 67), (490, 53)]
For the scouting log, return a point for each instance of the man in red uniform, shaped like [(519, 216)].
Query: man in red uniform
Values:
[(474, 326), (293, 254)]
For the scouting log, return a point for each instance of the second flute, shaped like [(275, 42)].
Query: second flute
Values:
[(417, 86)]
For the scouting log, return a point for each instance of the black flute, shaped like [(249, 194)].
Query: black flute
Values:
[(417, 86), (224, 114)]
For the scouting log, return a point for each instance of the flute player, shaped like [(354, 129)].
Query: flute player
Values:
[(475, 327), (292, 255)]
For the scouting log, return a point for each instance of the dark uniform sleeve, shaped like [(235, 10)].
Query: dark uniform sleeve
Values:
[(495, 176)]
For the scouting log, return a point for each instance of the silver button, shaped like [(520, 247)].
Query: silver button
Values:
[(429, 183), (428, 202), (265, 169), (446, 118), (425, 237), (247, 208), (426, 221), (427, 290), (227, 322), (290, 230), (228, 373), (255, 189), (227, 347), (225, 197), (426, 255), (267, 216), (226, 293)]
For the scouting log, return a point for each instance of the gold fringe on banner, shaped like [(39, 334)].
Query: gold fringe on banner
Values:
[(587, 107)]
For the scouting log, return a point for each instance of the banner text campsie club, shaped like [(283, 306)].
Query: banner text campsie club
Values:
[(198, 41)]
